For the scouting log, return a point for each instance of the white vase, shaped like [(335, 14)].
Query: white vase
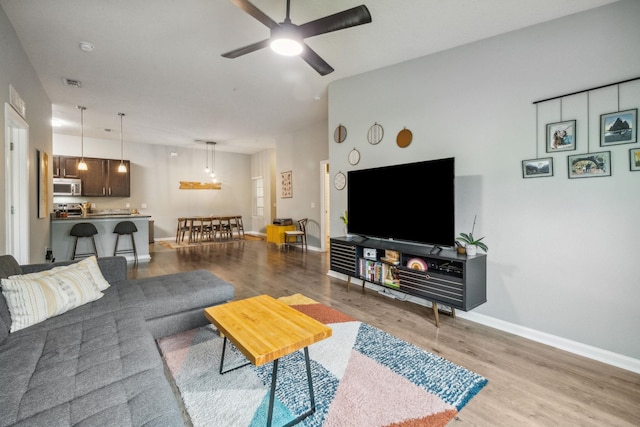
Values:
[(472, 249)]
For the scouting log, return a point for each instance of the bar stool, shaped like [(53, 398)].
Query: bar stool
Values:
[(124, 228), (80, 230)]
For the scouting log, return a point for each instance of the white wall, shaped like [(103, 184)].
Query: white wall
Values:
[(16, 70), (156, 176), (562, 252), (301, 153)]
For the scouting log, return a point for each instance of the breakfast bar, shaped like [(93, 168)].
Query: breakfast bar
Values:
[(62, 242)]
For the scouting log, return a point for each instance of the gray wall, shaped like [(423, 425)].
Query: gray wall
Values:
[(16, 70), (562, 253), (301, 153)]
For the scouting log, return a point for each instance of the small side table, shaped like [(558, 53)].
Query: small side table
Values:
[(275, 233)]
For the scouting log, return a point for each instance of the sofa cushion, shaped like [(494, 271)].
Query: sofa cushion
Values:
[(101, 371), (9, 266), (175, 293)]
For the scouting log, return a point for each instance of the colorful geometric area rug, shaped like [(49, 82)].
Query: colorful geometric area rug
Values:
[(362, 376)]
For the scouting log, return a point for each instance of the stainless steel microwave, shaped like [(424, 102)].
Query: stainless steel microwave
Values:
[(67, 187)]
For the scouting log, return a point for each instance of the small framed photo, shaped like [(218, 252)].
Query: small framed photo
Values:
[(286, 185), (590, 165), (537, 168), (618, 128), (561, 136), (634, 159)]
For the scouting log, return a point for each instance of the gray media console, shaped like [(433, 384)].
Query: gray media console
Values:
[(440, 276)]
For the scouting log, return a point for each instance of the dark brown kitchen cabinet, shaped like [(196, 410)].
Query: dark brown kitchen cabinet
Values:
[(65, 167), (119, 183), (94, 179), (102, 179)]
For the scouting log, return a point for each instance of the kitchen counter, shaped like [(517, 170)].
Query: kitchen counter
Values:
[(62, 242), (98, 216)]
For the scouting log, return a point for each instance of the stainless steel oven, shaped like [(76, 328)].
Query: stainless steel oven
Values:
[(67, 187)]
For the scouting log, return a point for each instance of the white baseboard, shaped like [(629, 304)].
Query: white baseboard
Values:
[(595, 353)]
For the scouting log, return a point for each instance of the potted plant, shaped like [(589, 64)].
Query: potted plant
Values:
[(345, 219), (471, 244)]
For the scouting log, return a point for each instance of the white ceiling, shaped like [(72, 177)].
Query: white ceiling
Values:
[(159, 62)]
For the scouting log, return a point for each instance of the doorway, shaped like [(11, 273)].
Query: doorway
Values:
[(325, 191), (17, 196)]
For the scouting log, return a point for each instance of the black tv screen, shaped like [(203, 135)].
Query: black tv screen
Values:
[(412, 202)]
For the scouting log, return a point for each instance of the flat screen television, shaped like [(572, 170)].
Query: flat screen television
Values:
[(412, 202)]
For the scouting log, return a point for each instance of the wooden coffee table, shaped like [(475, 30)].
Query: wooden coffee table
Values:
[(264, 330)]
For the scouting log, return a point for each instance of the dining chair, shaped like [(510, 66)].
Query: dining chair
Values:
[(236, 223), (182, 229), (299, 236)]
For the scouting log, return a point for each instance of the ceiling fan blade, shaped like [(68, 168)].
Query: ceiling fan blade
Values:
[(255, 12), (349, 18), (246, 49), (317, 63)]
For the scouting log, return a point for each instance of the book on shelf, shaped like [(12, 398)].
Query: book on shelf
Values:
[(391, 257), (390, 276)]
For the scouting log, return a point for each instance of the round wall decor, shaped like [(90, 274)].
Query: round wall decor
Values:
[(375, 134), (340, 134), (339, 181), (354, 157), (404, 138)]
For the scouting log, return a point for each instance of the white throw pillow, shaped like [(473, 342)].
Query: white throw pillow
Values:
[(31, 301), (38, 296), (90, 265)]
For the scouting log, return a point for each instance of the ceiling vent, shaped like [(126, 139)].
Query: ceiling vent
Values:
[(72, 82)]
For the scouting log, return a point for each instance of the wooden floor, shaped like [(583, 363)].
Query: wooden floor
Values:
[(529, 383)]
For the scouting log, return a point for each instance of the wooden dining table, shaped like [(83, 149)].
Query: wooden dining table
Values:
[(207, 228)]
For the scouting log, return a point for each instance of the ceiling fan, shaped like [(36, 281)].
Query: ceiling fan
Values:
[(289, 38)]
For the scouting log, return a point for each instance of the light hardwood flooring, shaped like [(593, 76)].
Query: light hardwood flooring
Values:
[(529, 383)]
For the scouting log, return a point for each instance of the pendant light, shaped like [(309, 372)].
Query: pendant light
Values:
[(82, 166), (206, 169), (122, 168), (213, 164)]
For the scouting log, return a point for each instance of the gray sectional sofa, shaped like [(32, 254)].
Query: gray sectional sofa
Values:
[(98, 364)]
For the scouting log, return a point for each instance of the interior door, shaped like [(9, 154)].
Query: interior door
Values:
[(16, 185)]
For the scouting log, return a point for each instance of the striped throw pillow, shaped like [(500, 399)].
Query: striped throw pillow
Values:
[(35, 297), (89, 265), (32, 301)]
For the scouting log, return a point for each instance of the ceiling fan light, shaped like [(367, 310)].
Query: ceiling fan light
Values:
[(286, 46)]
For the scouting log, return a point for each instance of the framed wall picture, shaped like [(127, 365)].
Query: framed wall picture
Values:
[(590, 165), (43, 183), (561, 136), (618, 128), (634, 159), (286, 185), (537, 168)]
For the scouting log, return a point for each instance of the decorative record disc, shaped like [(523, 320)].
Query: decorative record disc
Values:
[(340, 134), (417, 264), (404, 138), (375, 134)]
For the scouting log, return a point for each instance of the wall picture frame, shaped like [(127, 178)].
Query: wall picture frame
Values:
[(286, 185), (42, 159), (537, 168), (590, 165), (561, 136), (634, 159), (619, 128)]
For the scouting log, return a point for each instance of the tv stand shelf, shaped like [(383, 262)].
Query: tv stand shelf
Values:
[(443, 276)]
